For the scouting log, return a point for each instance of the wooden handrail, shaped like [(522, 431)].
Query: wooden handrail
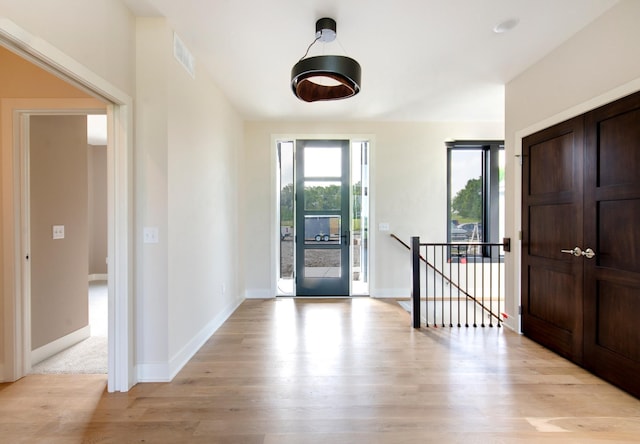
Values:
[(456, 286)]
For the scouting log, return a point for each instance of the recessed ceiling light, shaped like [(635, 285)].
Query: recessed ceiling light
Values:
[(506, 25)]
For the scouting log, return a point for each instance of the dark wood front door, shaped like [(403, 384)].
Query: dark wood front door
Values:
[(612, 231), (552, 211), (581, 240)]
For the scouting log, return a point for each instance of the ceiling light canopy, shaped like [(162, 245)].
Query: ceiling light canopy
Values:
[(325, 77)]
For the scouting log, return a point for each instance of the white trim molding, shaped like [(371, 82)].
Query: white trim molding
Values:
[(259, 293), (55, 347), (166, 371), (391, 293)]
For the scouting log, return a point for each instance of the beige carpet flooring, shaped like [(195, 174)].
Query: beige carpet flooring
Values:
[(90, 355)]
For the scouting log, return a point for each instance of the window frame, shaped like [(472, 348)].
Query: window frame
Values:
[(490, 167)]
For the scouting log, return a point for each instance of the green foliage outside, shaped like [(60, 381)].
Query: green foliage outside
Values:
[(286, 206), (319, 198), (467, 204), (322, 198)]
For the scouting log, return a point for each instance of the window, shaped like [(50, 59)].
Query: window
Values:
[(475, 191)]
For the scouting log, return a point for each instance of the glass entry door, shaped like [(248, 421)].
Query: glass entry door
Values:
[(322, 218)]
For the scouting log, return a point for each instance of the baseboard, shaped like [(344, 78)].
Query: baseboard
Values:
[(256, 293), (513, 324), (98, 277), (153, 372), (391, 293), (165, 372), (55, 347)]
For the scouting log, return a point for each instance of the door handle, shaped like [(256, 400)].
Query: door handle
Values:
[(577, 252), (345, 237), (589, 253)]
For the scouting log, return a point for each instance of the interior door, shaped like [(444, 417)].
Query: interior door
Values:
[(322, 218), (612, 215), (552, 212)]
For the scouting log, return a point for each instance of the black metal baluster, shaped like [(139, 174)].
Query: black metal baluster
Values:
[(426, 284), (475, 288), (482, 295), (435, 307), (458, 280), (466, 289), (443, 296), (450, 288), (499, 289), (491, 250)]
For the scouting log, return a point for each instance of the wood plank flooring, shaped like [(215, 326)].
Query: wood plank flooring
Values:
[(334, 371)]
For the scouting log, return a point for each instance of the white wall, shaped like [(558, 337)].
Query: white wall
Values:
[(205, 138), (99, 34), (188, 142), (153, 46), (188, 137), (596, 66), (408, 190)]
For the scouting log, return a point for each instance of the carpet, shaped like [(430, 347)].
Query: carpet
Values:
[(86, 357)]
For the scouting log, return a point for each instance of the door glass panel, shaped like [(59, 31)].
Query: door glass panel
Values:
[(322, 229), (322, 162), (285, 179), (322, 196), (359, 217), (322, 263)]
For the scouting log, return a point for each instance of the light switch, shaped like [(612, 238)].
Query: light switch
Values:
[(58, 232), (150, 235), (383, 227)]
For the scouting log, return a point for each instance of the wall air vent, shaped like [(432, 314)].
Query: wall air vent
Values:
[(182, 55)]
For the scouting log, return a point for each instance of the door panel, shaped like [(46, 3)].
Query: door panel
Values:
[(585, 307), (552, 208), (322, 218), (612, 212), (618, 234), (547, 226)]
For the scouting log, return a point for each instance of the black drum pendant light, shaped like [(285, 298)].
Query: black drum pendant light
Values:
[(325, 77)]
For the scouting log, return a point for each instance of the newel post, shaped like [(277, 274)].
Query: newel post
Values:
[(415, 281)]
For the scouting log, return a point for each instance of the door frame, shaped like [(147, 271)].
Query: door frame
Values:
[(121, 374), (275, 200)]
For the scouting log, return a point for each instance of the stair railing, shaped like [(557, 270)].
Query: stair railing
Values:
[(471, 259)]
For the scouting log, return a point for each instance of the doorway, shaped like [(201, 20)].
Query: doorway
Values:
[(66, 215), (323, 217), (121, 375)]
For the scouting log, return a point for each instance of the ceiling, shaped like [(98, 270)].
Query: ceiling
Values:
[(422, 60)]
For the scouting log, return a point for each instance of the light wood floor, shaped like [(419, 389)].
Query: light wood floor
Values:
[(332, 372)]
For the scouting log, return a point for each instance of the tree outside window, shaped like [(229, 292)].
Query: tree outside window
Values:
[(475, 190)]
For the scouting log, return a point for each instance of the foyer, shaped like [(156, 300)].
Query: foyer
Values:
[(334, 370)]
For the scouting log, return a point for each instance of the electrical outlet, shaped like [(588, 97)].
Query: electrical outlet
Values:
[(383, 226), (58, 232)]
